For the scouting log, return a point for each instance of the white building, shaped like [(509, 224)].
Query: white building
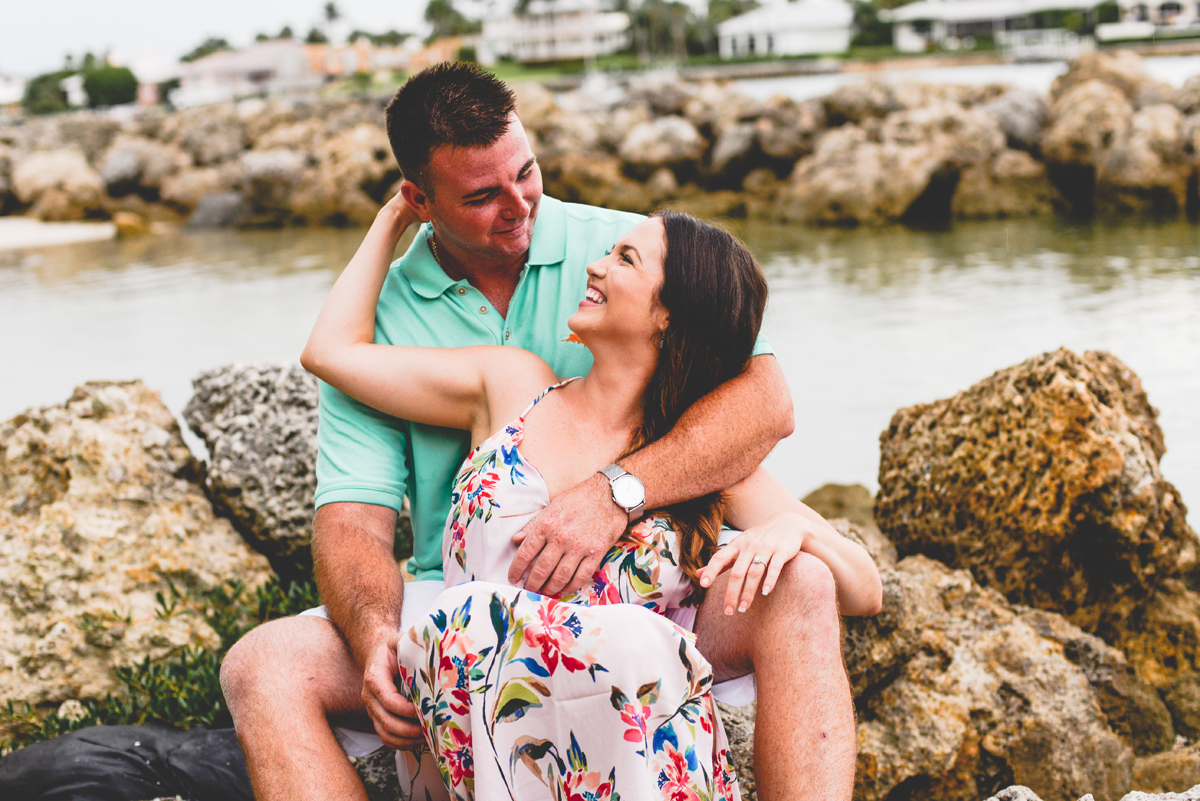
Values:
[(12, 90), (1153, 19), (782, 28), (273, 67), (1026, 28), (554, 30)]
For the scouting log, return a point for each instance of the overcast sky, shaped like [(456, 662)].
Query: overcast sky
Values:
[(35, 35)]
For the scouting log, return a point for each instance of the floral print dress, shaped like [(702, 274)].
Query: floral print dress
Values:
[(591, 696)]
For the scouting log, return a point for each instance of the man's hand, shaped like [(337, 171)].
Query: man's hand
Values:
[(394, 716), (562, 546)]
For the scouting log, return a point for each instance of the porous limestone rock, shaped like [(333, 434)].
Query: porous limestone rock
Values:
[(57, 185), (597, 180), (1183, 699), (958, 696), (1012, 184), (1043, 480), (907, 168), (354, 170), (136, 164), (1020, 113), (210, 134), (1173, 771), (787, 130), (1121, 69), (100, 510), (669, 141), (259, 422)]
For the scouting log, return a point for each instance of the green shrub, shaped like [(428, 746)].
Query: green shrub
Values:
[(183, 689), (1108, 12), (43, 94), (109, 86)]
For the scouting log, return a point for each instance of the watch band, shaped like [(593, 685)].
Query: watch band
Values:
[(614, 473)]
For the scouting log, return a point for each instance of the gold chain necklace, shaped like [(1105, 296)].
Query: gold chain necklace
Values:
[(433, 247)]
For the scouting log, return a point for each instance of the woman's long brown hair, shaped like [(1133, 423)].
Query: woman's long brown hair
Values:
[(714, 294)]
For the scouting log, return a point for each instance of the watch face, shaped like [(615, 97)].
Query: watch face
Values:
[(628, 491)]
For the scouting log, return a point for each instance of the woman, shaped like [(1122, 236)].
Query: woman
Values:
[(516, 690)]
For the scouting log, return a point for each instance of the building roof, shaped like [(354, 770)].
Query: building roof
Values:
[(973, 10), (788, 16)]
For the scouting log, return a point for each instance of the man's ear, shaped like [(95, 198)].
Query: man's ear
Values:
[(416, 197)]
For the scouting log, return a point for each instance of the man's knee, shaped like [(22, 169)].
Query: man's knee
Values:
[(805, 589), (274, 662)]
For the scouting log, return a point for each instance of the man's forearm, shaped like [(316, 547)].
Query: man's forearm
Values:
[(356, 573), (720, 440)]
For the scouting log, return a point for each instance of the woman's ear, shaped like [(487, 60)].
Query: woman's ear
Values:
[(416, 198)]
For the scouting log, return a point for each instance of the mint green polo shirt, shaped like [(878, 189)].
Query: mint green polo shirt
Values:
[(366, 456)]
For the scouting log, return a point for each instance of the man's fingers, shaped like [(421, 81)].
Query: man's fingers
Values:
[(583, 574), (542, 569), (531, 546), (561, 576)]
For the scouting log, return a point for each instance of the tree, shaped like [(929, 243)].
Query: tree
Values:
[(448, 20), (869, 29), (43, 95), (286, 33), (110, 86), (721, 10), (331, 13), (209, 46), (316, 36), (262, 37), (665, 28)]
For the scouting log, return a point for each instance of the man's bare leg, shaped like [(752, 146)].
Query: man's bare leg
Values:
[(792, 640), (283, 682)]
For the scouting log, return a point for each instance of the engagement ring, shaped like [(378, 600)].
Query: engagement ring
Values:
[(758, 560)]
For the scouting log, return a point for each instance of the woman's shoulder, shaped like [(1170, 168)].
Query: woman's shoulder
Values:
[(512, 378)]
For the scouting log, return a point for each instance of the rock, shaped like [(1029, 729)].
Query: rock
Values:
[(855, 103), (732, 154), (662, 184), (664, 94), (1134, 710), (853, 502), (739, 729), (378, 774), (184, 190), (1187, 97), (1147, 169), (1121, 69), (1183, 699), (134, 164), (130, 224), (881, 550), (714, 109), (670, 142), (1083, 122), (762, 185), (58, 185), (1013, 184), (535, 106), (218, 210), (787, 130), (260, 425), (1016, 793), (1043, 480), (958, 696), (910, 174), (354, 171), (595, 179), (1169, 772), (210, 134), (269, 181), (611, 131), (1020, 114), (100, 509)]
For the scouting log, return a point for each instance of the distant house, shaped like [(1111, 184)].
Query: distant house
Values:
[(12, 90), (1145, 20), (782, 28), (1026, 28), (265, 68), (554, 30)]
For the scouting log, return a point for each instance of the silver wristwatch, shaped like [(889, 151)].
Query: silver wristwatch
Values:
[(627, 491)]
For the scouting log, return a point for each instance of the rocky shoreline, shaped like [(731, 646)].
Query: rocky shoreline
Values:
[(1107, 139), (1040, 632)]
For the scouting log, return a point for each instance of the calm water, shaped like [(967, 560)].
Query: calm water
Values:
[(864, 322)]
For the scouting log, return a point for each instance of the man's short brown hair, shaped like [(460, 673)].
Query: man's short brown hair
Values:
[(447, 104)]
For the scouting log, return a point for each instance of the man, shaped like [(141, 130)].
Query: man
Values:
[(500, 264)]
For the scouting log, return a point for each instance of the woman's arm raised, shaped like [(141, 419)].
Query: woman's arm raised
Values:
[(776, 526), (437, 386)]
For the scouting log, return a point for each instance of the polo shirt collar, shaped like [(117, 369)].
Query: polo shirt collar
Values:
[(548, 247)]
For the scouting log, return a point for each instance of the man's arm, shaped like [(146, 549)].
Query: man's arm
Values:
[(363, 591), (718, 442)]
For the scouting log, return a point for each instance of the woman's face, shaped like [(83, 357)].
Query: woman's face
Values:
[(621, 303)]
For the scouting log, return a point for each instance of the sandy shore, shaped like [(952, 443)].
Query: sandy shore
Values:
[(23, 232)]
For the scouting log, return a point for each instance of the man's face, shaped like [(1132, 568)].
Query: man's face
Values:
[(485, 199)]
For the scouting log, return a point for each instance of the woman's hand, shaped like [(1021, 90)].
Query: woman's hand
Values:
[(757, 556), (400, 213)]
